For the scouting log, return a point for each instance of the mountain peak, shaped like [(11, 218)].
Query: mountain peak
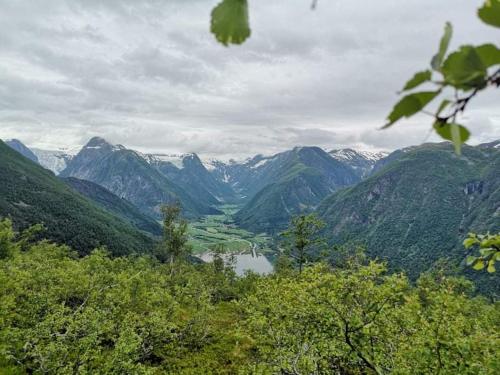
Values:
[(20, 147), (97, 142)]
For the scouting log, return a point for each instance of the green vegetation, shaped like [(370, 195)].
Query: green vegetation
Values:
[(420, 207), (115, 205), (303, 237), (133, 315), (30, 194), (489, 251), (213, 230), (173, 247)]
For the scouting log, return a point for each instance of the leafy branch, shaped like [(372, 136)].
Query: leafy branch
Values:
[(489, 251), (465, 71)]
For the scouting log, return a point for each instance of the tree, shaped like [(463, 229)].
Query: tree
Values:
[(303, 235), (173, 245)]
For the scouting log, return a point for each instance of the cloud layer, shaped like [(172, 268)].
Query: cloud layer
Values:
[(149, 74)]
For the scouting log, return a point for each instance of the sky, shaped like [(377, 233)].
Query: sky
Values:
[(149, 75)]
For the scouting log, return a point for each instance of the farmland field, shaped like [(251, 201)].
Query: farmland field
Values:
[(220, 229)]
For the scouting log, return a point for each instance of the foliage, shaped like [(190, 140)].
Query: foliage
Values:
[(464, 73), (303, 237), (489, 250), (229, 22), (64, 314)]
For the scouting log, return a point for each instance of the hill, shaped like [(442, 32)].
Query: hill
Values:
[(115, 205), (287, 184), (419, 207), (30, 194)]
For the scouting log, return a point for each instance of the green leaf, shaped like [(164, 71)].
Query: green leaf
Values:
[(490, 12), (418, 79), (230, 23), (410, 104), (479, 265), (456, 133), (437, 60), (489, 54), (464, 69), (491, 266), (470, 259), (469, 242)]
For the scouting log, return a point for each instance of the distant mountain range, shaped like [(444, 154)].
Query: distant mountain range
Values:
[(411, 207)]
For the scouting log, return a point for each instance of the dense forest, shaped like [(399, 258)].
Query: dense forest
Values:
[(134, 315)]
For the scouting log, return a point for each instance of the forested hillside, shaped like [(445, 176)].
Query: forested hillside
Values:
[(287, 184), (115, 205), (419, 207), (30, 194)]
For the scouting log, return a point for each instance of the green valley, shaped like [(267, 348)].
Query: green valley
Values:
[(213, 230)]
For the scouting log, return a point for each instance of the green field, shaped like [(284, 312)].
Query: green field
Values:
[(220, 229)]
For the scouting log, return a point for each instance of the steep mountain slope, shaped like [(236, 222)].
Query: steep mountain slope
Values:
[(189, 172), (30, 194), (419, 207), (20, 147), (53, 160), (362, 162), (289, 183), (115, 205), (127, 174)]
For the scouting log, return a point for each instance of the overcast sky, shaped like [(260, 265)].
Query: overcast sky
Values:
[(149, 75)]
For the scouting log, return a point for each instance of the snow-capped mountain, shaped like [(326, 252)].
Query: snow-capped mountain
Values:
[(54, 160), (361, 161)]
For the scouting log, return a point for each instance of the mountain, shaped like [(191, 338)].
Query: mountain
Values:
[(129, 175), (17, 145), (188, 171), (115, 205), (419, 207), (30, 194), (286, 184), (362, 162), (53, 160)]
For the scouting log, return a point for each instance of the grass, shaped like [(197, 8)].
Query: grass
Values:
[(220, 229)]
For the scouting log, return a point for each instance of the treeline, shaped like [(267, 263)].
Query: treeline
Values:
[(60, 313)]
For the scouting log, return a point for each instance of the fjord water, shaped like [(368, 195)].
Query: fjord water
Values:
[(257, 263)]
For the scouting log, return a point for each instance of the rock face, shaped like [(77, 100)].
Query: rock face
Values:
[(17, 145), (188, 171), (418, 207), (129, 175)]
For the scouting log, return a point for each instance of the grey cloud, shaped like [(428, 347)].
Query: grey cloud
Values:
[(149, 75)]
